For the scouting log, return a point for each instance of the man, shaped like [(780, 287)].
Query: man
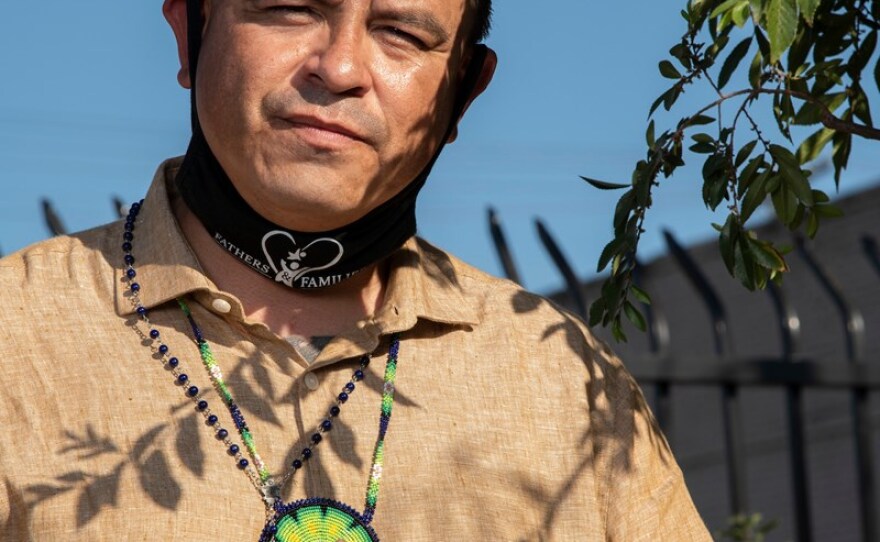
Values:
[(202, 370)]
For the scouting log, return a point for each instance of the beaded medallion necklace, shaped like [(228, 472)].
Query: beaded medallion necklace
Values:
[(305, 520)]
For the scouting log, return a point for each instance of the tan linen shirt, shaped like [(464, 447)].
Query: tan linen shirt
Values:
[(511, 421)]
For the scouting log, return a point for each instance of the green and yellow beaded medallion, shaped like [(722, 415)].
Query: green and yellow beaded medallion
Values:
[(318, 520)]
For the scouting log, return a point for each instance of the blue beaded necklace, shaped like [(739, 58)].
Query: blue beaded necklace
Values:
[(306, 520)]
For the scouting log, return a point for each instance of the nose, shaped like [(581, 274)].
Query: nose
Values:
[(341, 65)]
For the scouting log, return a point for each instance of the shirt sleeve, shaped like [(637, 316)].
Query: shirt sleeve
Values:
[(644, 494)]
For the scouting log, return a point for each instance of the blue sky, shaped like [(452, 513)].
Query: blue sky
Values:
[(89, 106)]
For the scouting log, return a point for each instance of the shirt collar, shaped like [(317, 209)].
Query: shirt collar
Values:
[(166, 265), (423, 283)]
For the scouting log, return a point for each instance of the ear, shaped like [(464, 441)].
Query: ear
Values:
[(175, 13), (485, 77)]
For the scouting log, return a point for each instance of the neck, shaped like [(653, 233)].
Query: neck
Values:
[(287, 312)]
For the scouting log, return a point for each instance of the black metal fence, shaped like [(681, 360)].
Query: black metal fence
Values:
[(730, 374)]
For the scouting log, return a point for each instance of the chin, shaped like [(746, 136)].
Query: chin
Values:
[(308, 207)]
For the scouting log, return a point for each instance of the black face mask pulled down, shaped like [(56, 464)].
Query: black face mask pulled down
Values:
[(295, 259)]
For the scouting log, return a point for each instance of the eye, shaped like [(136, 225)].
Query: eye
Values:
[(286, 9), (396, 35), (291, 11)]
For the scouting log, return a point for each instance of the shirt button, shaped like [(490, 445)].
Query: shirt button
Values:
[(221, 306), (311, 381)]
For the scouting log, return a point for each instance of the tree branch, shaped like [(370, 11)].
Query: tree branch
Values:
[(828, 119)]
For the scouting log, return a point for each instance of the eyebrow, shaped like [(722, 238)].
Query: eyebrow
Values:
[(418, 18)]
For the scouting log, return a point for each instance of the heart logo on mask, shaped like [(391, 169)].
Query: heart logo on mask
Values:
[(298, 261)]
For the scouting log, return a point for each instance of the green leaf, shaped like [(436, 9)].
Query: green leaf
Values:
[(811, 113), (671, 97), (782, 22), (727, 240), (860, 58), (617, 331), (797, 54), (726, 6), (700, 120), (828, 211), (808, 9), (744, 152), (602, 185), (649, 135), (702, 148), (747, 175), (744, 264), (643, 192), (795, 178), (767, 256), (669, 71), (597, 312), (840, 154), (657, 102), (877, 67), (820, 197), (755, 71), (733, 61), (611, 250), (740, 14), (860, 106), (681, 53), (812, 225), (713, 51), (640, 294), (714, 192), (755, 196), (763, 43), (786, 205), (800, 187), (812, 147), (757, 8), (625, 206), (635, 316)]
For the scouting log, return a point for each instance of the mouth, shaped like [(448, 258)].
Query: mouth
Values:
[(322, 133)]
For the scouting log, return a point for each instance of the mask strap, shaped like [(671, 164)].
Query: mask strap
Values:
[(468, 85), (195, 26)]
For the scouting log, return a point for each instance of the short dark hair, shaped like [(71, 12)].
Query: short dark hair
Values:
[(482, 20)]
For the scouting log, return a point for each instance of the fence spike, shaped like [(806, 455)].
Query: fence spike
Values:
[(730, 409), (658, 345), (854, 332), (120, 207), (869, 245), (573, 285), (789, 331), (502, 248), (53, 221)]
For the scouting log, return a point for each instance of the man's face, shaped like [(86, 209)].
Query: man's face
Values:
[(320, 110)]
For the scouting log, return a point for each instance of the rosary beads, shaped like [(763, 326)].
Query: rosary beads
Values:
[(309, 520)]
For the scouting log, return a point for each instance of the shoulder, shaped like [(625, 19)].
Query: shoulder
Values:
[(52, 268), (532, 321)]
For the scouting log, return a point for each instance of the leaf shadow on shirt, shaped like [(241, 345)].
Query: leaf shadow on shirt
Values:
[(148, 461), (614, 403)]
